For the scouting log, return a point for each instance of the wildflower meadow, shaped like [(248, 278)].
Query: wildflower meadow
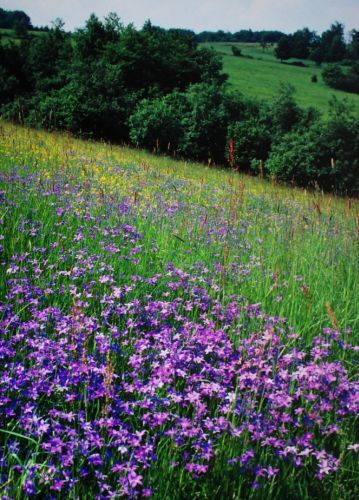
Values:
[(170, 330)]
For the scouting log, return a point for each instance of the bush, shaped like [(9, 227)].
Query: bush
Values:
[(192, 124), (157, 123), (294, 158), (299, 64), (335, 77), (251, 140), (284, 112), (326, 154), (236, 51)]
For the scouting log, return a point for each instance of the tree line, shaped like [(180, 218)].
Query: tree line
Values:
[(9, 19), (158, 89), (330, 47), (244, 36)]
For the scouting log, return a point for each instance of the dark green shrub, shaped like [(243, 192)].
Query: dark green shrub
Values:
[(236, 51), (283, 113), (326, 154), (157, 123), (205, 124), (251, 140), (335, 77)]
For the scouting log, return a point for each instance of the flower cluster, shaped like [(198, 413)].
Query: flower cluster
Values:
[(105, 364)]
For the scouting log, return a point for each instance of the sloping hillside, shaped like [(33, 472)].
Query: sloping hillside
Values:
[(260, 75)]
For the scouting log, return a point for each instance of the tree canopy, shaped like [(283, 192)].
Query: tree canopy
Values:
[(159, 89)]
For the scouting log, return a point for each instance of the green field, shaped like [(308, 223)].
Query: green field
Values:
[(261, 75), (8, 35)]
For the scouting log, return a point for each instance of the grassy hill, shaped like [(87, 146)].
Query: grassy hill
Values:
[(260, 75)]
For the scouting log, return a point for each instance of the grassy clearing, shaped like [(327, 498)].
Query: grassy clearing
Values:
[(8, 35), (262, 76), (124, 333)]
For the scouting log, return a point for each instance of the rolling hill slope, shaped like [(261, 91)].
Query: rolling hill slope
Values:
[(261, 74)]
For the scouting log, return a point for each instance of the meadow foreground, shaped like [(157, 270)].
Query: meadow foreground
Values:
[(172, 331)]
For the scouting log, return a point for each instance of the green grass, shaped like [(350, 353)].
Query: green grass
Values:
[(261, 76), (298, 239)]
